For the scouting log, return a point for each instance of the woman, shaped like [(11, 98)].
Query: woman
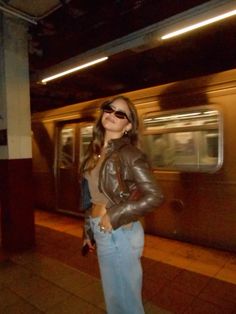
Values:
[(117, 171)]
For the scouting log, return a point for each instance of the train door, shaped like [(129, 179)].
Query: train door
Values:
[(73, 139)]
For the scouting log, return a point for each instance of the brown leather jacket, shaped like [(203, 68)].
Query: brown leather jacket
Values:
[(127, 161)]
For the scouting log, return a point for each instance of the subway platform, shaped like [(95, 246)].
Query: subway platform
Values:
[(54, 278)]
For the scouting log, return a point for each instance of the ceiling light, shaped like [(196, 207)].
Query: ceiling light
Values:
[(199, 24), (80, 67)]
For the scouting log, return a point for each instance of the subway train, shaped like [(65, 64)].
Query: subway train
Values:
[(187, 131)]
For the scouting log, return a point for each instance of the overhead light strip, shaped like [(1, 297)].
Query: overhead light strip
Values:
[(80, 67), (198, 25)]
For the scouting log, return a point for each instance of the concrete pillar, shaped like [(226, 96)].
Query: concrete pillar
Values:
[(16, 188)]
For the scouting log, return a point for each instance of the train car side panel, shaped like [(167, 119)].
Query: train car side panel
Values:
[(198, 180)]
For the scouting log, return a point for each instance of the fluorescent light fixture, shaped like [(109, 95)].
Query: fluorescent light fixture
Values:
[(200, 24), (85, 65)]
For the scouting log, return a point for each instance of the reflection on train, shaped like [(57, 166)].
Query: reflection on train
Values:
[(187, 132)]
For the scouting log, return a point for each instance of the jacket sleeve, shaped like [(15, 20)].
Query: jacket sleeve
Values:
[(150, 198)]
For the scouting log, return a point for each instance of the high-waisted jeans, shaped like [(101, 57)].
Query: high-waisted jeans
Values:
[(119, 255)]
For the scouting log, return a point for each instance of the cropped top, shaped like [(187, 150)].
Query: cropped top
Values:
[(92, 176)]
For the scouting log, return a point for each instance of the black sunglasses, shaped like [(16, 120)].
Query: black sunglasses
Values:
[(119, 114)]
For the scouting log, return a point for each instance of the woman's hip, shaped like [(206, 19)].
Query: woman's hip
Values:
[(128, 237)]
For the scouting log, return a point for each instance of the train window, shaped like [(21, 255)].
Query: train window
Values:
[(85, 138), (66, 152), (185, 140)]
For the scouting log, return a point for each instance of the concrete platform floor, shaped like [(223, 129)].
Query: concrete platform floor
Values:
[(54, 278)]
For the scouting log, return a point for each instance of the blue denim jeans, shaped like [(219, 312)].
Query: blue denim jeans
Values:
[(119, 255)]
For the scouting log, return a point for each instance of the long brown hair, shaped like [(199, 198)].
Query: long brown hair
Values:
[(95, 146)]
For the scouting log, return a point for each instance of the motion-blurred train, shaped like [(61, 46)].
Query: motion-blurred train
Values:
[(188, 132)]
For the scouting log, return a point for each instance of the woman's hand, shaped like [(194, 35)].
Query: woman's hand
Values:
[(105, 224), (90, 244)]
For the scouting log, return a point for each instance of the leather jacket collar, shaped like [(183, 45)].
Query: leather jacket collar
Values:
[(116, 144)]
